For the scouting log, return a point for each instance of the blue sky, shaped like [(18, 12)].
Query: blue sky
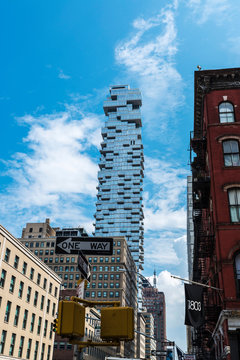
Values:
[(58, 60)]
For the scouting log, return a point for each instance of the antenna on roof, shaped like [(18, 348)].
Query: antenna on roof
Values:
[(154, 278), (199, 67)]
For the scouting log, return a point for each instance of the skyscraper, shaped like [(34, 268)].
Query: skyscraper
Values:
[(119, 205)]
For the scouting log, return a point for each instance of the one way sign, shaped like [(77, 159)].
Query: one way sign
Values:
[(86, 245)]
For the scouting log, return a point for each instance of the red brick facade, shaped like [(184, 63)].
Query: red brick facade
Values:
[(216, 172)]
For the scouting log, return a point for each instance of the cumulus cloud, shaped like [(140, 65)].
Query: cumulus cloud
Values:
[(163, 206), (174, 298), (56, 174), (149, 58)]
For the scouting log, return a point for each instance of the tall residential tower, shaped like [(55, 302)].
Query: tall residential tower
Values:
[(119, 205)]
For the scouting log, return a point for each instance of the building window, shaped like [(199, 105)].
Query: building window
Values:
[(32, 323), (39, 325), (12, 284), (105, 276), (49, 352), (111, 293), (106, 259), (7, 254), (16, 262), (42, 352), (53, 309), (20, 349), (40, 229), (29, 348), (226, 112), (73, 259), (36, 350), (42, 302), (31, 229), (29, 290), (25, 316), (117, 294), (31, 273), (231, 153), (24, 268), (12, 344), (93, 294), (44, 283), (20, 291), (35, 298), (15, 323), (38, 278), (48, 305), (234, 204), (105, 294), (7, 312), (45, 328), (99, 294), (67, 259), (3, 341)]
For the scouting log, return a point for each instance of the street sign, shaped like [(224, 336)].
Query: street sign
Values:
[(84, 267), (87, 245), (158, 352), (80, 289)]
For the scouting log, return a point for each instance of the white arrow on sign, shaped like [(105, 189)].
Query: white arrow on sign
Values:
[(68, 244)]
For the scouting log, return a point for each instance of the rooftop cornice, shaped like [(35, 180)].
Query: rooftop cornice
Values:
[(206, 81)]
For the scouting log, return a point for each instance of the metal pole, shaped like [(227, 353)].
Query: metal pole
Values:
[(194, 282)]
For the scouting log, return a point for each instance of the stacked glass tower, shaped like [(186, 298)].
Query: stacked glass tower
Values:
[(119, 206)]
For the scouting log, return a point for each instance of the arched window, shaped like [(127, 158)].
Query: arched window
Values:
[(237, 273), (234, 204), (226, 112), (231, 153)]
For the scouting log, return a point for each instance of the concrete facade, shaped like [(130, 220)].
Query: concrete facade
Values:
[(29, 293)]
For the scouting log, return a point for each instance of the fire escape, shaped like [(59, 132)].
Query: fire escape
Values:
[(204, 241)]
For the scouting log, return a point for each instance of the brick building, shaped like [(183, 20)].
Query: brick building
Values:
[(216, 210)]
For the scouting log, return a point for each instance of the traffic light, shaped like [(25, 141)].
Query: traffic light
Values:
[(71, 319), (117, 323), (55, 325)]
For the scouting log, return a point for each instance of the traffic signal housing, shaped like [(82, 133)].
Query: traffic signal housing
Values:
[(117, 323), (55, 325), (71, 319)]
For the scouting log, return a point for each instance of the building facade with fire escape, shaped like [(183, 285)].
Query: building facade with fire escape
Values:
[(215, 163)]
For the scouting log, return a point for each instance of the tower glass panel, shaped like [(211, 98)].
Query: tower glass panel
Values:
[(119, 200)]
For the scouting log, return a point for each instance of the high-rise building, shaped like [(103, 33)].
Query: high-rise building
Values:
[(215, 163), (29, 292), (119, 206), (154, 302), (40, 238)]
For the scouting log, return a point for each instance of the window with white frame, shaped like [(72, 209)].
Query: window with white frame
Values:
[(226, 112), (231, 153), (234, 204)]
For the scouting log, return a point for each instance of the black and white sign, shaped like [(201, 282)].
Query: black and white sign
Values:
[(86, 245), (158, 352), (84, 267), (194, 311)]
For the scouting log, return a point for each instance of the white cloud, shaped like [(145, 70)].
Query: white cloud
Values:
[(174, 297), (148, 57), (161, 249), (61, 75), (205, 10), (56, 175), (164, 205)]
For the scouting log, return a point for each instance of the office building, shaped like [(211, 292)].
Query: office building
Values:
[(115, 278), (141, 331), (154, 302), (215, 163), (29, 292), (150, 342), (119, 200)]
